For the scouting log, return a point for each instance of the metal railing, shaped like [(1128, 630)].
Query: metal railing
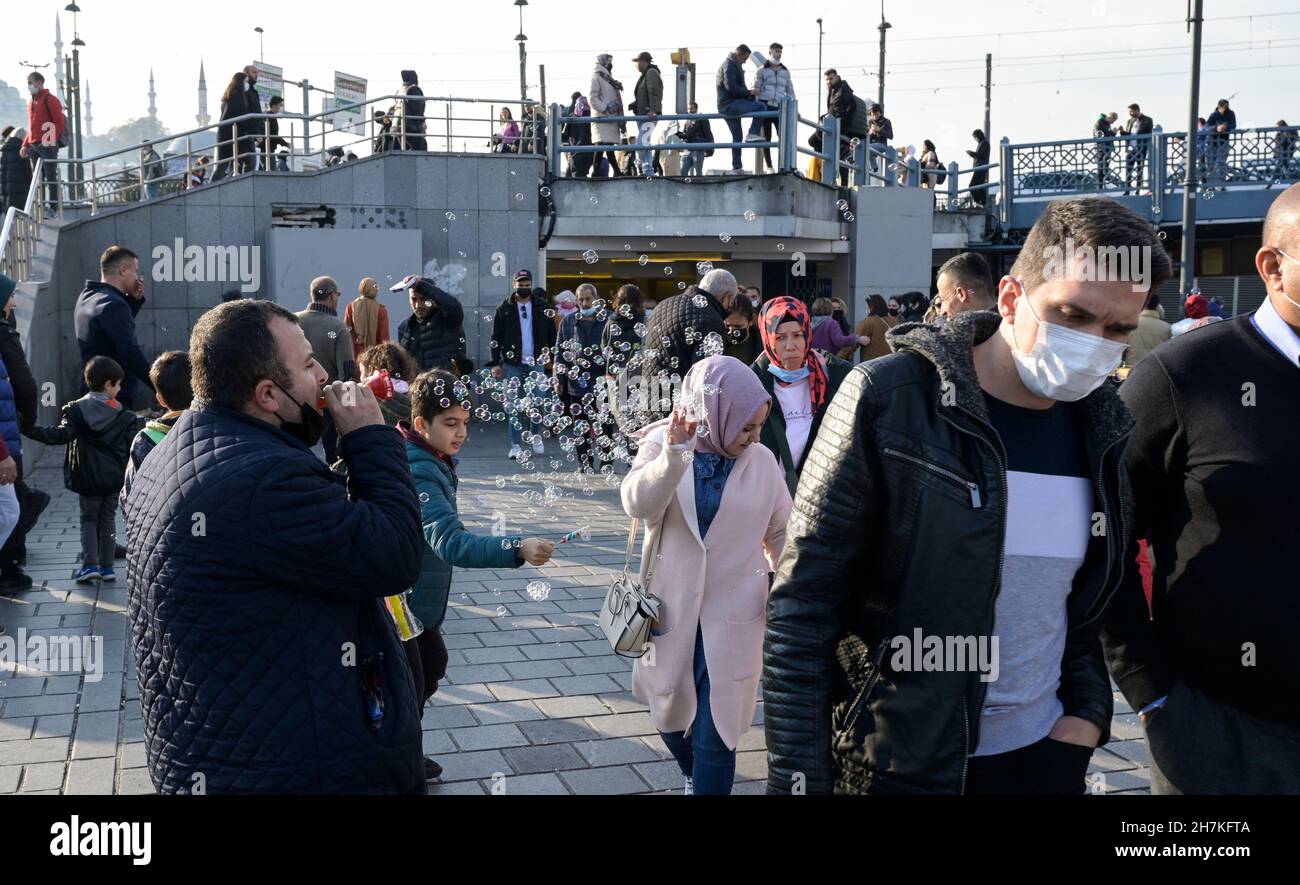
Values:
[(249, 143), (21, 231)]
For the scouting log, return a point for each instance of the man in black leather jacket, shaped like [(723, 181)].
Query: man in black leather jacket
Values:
[(964, 490)]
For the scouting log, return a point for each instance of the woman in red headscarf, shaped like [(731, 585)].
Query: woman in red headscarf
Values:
[(800, 379)]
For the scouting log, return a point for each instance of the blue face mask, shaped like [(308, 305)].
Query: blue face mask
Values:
[(789, 376), (587, 311)]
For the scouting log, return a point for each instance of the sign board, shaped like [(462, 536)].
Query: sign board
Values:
[(270, 82), (349, 102)]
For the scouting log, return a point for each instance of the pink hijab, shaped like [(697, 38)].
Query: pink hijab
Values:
[(723, 394)]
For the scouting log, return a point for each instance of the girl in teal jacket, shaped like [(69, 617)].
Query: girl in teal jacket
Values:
[(440, 411)]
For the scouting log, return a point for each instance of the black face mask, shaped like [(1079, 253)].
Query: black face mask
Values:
[(523, 295), (837, 315), (893, 311), (310, 429)]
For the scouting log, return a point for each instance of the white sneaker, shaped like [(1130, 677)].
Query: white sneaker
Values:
[(515, 452), (690, 787), (537, 445), (754, 136)]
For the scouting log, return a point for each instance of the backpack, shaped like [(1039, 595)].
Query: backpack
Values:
[(63, 136)]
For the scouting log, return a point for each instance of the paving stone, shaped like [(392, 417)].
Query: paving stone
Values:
[(622, 724), (533, 785), (603, 664), (96, 735), (134, 782), (43, 776), (436, 716), (21, 686), (90, 777), (472, 766), (537, 669), (39, 706), (9, 776), (437, 743), (524, 689), (456, 788), (551, 651), (565, 707), (1133, 751), (1102, 760), (604, 781), (483, 673), (16, 729), (488, 737), (474, 693), (507, 711), (662, 775), (617, 751), (132, 756), (558, 731), (544, 757), (507, 637), (585, 685), (493, 655)]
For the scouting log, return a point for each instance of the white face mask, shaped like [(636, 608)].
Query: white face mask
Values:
[(1065, 364), (33, 88), (1284, 295)]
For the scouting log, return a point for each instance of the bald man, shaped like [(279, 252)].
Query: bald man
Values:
[(1214, 465)]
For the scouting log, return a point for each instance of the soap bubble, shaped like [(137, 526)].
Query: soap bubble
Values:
[(780, 247), (1161, 235), (704, 267), (643, 260), (654, 245), (849, 216), (749, 215), (594, 201), (681, 285), (501, 482), (688, 456), (451, 216), (501, 611), (668, 270), (725, 237), (496, 591), (538, 590), (590, 256), (331, 335), (424, 497), (519, 197), (842, 205), (700, 301), (545, 192)]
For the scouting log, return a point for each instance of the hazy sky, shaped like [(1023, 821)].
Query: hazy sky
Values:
[(1056, 64)]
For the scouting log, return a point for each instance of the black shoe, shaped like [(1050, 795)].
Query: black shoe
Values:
[(33, 505), (119, 552), (13, 582), (432, 770)]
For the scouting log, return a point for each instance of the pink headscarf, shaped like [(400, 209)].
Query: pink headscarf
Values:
[(723, 394)]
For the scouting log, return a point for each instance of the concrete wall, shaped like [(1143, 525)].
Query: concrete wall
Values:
[(892, 243), (491, 196)]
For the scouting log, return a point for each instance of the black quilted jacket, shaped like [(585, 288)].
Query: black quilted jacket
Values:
[(881, 542), (255, 602)]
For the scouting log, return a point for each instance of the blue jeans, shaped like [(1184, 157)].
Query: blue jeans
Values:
[(692, 163), (734, 110), (703, 756), (535, 387)]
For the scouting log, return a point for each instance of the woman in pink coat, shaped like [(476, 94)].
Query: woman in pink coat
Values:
[(715, 507)]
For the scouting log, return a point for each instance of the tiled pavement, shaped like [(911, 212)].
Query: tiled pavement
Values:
[(534, 702)]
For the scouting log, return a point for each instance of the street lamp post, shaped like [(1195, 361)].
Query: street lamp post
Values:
[(523, 56), (1187, 261), (74, 89), (820, 32), (261, 46), (884, 26)]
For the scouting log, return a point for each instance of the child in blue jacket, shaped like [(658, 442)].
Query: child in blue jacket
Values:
[(440, 411)]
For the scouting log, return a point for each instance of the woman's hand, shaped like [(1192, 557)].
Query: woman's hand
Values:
[(679, 429), (864, 340)]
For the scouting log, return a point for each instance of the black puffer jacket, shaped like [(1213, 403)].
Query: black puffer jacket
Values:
[(678, 330), (256, 580), (440, 337), (879, 545), (15, 173), (98, 434)]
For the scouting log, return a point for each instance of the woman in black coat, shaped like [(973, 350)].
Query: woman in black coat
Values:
[(234, 103), (15, 170)]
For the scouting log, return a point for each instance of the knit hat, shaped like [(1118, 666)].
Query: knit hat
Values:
[(1196, 307), (7, 287)]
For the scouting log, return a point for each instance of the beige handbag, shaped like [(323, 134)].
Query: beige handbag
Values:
[(630, 611)]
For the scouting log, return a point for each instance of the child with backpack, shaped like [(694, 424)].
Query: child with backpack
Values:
[(97, 431), (170, 377)]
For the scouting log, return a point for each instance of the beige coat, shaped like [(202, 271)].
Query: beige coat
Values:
[(718, 584), (602, 96)]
